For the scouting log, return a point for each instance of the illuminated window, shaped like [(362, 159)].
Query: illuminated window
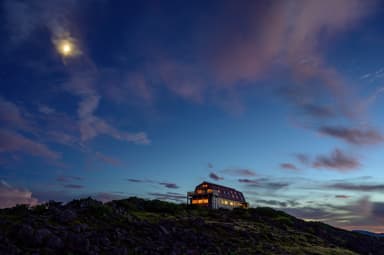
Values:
[(200, 201)]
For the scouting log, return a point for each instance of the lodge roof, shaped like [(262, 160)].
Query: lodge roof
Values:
[(225, 192)]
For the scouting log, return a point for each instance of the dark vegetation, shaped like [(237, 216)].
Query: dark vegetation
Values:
[(137, 226)]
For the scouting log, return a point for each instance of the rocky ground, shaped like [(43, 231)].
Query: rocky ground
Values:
[(137, 226)]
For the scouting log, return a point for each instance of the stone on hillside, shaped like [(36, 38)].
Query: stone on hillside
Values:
[(67, 216), (41, 235), (119, 251), (25, 233), (164, 230), (78, 242), (80, 228), (54, 242)]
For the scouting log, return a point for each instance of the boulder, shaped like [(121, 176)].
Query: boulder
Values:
[(54, 242), (41, 235), (66, 216)]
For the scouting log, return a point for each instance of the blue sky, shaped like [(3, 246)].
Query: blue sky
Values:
[(281, 100)]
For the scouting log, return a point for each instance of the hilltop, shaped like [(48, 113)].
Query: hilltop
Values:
[(138, 226)]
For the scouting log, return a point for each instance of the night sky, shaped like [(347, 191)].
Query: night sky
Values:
[(281, 100)]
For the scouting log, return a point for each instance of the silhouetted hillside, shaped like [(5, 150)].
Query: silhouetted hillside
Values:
[(137, 226), (369, 233)]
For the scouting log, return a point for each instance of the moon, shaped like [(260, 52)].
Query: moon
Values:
[(66, 48)]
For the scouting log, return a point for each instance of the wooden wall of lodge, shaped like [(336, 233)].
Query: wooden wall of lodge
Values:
[(222, 201)]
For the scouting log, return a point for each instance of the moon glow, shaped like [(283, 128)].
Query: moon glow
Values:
[(66, 48)]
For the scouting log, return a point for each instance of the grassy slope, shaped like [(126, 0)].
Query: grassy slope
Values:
[(156, 227)]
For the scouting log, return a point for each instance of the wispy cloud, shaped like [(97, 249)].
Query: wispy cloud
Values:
[(248, 181), (289, 166), (23, 19), (303, 158), (311, 213), (239, 172), (337, 161), (119, 86), (169, 185), (225, 58), (91, 125), (73, 186), (63, 138), (271, 202), (357, 187), (249, 46), (293, 31), (46, 109), (318, 111), (277, 203), (353, 135), (276, 185), (108, 159), (10, 196), (135, 180), (183, 79), (68, 178), (11, 116), (355, 214), (14, 142), (264, 183), (342, 196), (215, 177), (21, 132)]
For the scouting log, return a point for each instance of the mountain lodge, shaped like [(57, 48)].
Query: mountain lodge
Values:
[(216, 196)]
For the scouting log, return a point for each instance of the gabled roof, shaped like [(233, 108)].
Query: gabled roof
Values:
[(216, 185), (225, 192)]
